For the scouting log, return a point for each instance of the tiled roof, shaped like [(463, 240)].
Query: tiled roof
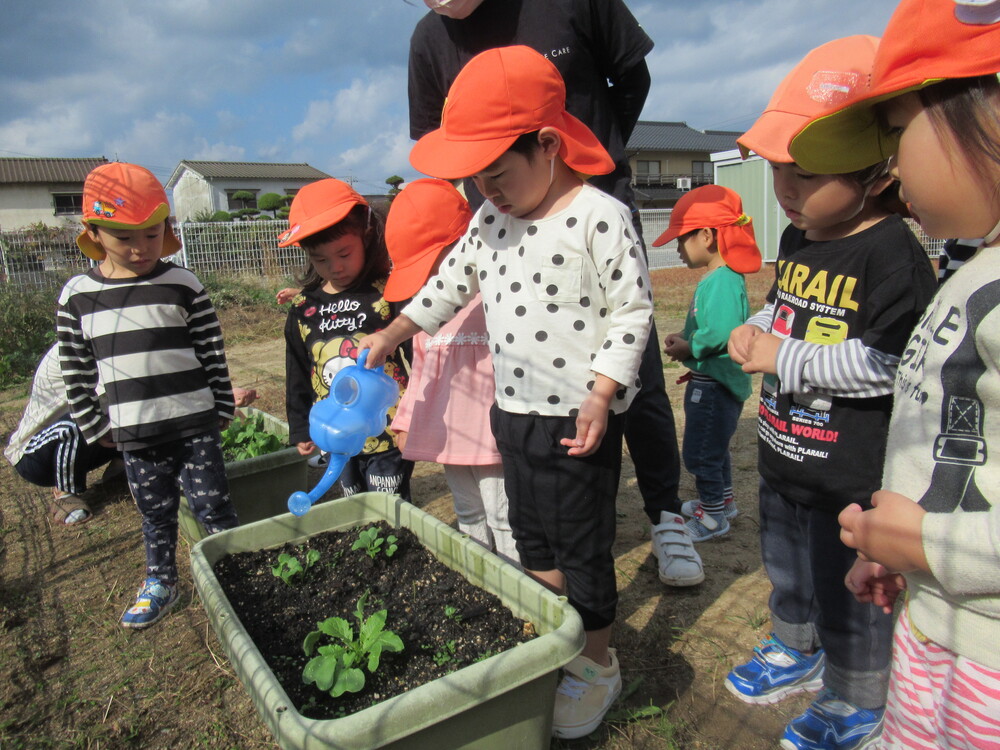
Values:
[(47, 170), (247, 170), (678, 136)]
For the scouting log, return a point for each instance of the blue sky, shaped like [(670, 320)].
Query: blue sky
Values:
[(324, 81)]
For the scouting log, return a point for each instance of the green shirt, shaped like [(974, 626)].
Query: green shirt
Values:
[(719, 305)]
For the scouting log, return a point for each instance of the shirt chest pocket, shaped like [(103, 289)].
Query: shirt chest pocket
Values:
[(562, 282)]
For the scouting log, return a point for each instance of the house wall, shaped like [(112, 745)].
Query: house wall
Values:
[(671, 162), (193, 193), (21, 205)]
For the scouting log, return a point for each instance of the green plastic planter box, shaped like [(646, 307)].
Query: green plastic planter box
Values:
[(505, 701), (259, 486)]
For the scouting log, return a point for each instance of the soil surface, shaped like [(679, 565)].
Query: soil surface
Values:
[(444, 622), (72, 677)]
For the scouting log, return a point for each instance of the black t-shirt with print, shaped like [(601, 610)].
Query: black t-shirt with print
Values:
[(828, 451), (591, 42)]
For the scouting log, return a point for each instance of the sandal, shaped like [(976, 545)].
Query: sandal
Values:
[(69, 510)]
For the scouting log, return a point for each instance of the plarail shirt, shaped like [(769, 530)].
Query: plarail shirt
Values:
[(566, 296), (827, 450)]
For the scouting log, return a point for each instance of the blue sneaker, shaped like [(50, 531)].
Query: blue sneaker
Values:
[(153, 601), (775, 672), (832, 723)]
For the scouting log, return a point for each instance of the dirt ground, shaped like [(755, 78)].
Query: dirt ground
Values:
[(70, 676)]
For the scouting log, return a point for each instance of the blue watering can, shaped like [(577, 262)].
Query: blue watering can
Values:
[(341, 423)]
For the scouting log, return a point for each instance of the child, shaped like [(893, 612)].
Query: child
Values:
[(936, 517), (147, 330), (341, 302), (712, 232), (851, 281), (444, 415), (568, 309)]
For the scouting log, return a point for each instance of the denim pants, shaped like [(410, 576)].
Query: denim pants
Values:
[(156, 475), (711, 414), (810, 606)]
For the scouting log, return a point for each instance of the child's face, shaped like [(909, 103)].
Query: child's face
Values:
[(516, 184), (941, 188), (339, 262), (129, 252), (695, 248), (824, 206)]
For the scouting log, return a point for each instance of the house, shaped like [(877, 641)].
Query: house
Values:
[(39, 190), (200, 188), (670, 158)]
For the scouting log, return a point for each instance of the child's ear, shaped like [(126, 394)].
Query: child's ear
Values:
[(92, 233), (709, 238), (550, 141), (880, 185)]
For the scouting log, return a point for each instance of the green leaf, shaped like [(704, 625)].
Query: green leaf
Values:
[(309, 644), (337, 627), (320, 670), (348, 681)]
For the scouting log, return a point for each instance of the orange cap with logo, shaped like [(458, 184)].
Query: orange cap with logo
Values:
[(499, 95), (124, 196), (926, 42), (318, 206), (826, 77), (719, 208), (427, 216)]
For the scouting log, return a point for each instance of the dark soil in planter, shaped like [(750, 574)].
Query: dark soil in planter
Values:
[(412, 585)]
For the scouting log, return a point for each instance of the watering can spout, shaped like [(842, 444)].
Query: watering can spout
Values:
[(340, 424)]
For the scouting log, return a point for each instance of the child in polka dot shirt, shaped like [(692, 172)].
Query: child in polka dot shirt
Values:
[(568, 311)]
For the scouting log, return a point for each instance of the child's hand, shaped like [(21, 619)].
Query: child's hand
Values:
[(676, 347), (244, 396), (739, 342), (889, 533), (872, 583), (401, 439), (762, 353), (286, 295), (305, 448), (592, 419), (379, 345)]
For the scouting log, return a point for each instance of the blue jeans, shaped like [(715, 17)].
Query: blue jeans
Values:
[(711, 414), (810, 605)]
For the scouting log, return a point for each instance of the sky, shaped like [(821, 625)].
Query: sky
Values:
[(324, 81)]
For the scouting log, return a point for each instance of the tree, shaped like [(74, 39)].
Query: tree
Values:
[(394, 182), (243, 196), (272, 202)]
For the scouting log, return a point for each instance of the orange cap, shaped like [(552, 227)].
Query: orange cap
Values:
[(318, 206), (427, 216), (826, 77), (926, 41), (499, 95), (124, 196), (716, 207)]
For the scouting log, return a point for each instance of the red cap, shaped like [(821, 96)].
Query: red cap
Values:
[(124, 196), (425, 217), (716, 207), (499, 95), (926, 41), (318, 206), (825, 78)]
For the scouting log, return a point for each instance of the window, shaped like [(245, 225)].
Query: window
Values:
[(647, 167), (68, 204), (703, 168), (236, 203)]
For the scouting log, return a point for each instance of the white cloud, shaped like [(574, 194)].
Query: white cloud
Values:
[(357, 107)]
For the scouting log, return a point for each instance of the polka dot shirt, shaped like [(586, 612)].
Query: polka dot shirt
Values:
[(566, 296)]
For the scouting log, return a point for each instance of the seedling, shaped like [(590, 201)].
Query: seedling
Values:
[(445, 654), (289, 566), (452, 613), (370, 541), (338, 667), (248, 438)]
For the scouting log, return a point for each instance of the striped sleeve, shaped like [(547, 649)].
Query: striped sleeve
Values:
[(79, 368), (848, 369), (762, 319), (207, 342)]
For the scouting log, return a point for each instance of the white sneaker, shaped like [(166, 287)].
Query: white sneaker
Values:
[(584, 695), (678, 562), (704, 526), (729, 509)]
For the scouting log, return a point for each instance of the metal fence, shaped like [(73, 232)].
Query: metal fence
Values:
[(45, 258)]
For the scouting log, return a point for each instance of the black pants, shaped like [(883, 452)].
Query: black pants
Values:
[(59, 456)]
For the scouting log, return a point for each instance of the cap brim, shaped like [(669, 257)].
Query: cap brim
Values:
[(770, 134), (439, 156), (405, 281), (335, 214), (670, 234)]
